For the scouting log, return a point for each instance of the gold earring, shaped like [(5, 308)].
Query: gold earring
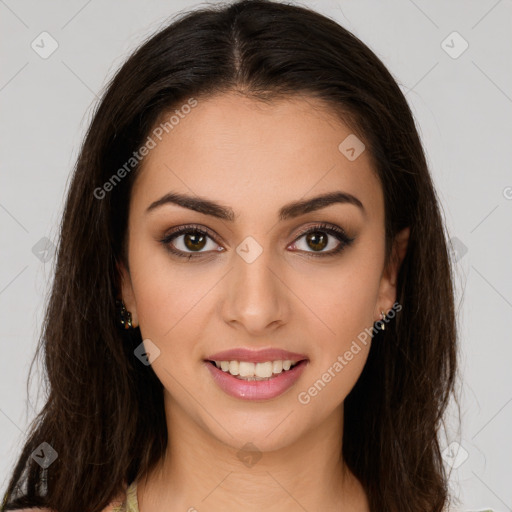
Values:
[(125, 317), (383, 315)]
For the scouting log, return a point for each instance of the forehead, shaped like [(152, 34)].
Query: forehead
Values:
[(254, 155)]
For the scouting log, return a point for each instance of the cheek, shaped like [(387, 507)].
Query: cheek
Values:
[(171, 307), (175, 303), (341, 299), (166, 291), (340, 342)]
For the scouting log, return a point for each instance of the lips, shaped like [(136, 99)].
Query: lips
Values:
[(256, 390), (256, 356)]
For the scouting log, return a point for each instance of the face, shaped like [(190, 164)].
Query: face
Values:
[(253, 272)]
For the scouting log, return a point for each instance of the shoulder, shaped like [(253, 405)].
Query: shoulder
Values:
[(33, 510), (113, 506), (472, 510), (109, 508)]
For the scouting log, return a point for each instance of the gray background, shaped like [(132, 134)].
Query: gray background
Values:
[(462, 104)]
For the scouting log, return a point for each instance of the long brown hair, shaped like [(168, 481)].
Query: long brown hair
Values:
[(104, 413)]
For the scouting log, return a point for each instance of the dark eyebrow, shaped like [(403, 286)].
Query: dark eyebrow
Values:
[(289, 211)]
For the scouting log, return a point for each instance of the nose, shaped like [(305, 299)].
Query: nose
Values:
[(256, 298)]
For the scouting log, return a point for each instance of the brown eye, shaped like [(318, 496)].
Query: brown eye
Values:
[(194, 241), (187, 240), (316, 240)]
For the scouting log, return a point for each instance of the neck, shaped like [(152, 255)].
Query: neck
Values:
[(201, 472)]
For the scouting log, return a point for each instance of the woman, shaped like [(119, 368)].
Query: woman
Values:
[(253, 302)]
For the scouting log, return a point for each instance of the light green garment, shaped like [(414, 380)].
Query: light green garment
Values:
[(130, 503)]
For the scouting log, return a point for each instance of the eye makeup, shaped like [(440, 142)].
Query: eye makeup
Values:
[(202, 233)]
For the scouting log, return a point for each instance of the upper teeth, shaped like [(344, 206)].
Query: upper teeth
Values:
[(247, 369)]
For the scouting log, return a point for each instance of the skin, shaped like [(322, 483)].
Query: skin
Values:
[(255, 158)]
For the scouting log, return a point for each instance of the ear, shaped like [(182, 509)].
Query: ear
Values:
[(387, 288), (127, 294)]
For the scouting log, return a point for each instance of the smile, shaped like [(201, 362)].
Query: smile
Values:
[(256, 381), (255, 371)]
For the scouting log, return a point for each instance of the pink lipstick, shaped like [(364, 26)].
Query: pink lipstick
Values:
[(280, 367)]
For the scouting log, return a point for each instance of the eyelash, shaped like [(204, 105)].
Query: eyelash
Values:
[(331, 229)]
